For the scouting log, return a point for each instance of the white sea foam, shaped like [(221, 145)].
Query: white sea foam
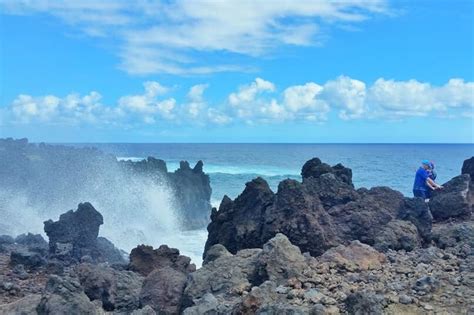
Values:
[(136, 211)]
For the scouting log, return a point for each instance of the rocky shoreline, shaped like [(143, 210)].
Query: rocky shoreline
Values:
[(314, 247)]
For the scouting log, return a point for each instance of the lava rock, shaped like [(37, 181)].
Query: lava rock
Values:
[(65, 296), (468, 167), (144, 259), (354, 257), (6, 240), (454, 200), (315, 168), (163, 290), (118, 291), (398, 234), (417, 212), (75, 234), (361, 303), (29, 259)]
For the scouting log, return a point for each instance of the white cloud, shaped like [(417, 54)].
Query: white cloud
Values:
[(53, 109), (414, 98), (157, 36), (305, 101), (256, 102), (347, 94), (148, 104)]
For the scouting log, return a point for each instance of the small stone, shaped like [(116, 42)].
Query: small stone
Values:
[(7, 286), (326, 300), (282, 289), (428, 307), (405, 299)]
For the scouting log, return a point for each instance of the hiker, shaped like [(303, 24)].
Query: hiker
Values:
[(424, 184)]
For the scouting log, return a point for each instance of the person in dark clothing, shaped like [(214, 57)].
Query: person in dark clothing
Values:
[(424, 184)]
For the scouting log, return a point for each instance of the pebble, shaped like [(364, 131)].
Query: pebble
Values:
[(405, 299), (428, 307)]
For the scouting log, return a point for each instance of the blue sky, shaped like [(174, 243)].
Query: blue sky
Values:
[(207, 71)]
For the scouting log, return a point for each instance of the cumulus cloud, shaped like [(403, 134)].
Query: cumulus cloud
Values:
[(52, 109), (257, 102), (147, 104), (158, 36), (414, 98), (348, 95)]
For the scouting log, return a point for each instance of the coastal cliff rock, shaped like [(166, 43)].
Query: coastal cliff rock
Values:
[(322, 211), (75, 235)]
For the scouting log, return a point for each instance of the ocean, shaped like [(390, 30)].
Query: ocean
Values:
[(230, 166)]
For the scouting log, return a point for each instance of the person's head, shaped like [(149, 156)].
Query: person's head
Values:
[(426, 164)]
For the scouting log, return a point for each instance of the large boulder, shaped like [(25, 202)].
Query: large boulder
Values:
[(163, 290), (24, 306), (29, 259), (396, 235), (468, 167), (75, 233), (238, 223), (455, 200), (34, 242), (354, 257), (361, 303), (65, 296), (220, 285), (417, 212), (117, 290), (364, 218), (301, 217), (144, 259), (455, 236)]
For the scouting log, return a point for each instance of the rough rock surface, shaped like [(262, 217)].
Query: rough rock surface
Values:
[(315, 168), (163, 290), (354, 257), (75, 233), (468, 167), (398, 234), (353, 279), (144, 259), (321, 212), (65, 296), (455, 200), (117, 290)]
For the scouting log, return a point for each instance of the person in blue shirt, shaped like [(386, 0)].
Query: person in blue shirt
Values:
[(424, 184)]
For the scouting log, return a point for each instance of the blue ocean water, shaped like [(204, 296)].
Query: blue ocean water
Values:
[(230, 166)]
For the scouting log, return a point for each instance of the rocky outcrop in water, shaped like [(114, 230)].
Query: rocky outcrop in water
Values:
[(324, 210), (75, 235), (51, 176)]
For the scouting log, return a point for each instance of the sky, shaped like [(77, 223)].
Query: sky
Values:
[(350, 71)]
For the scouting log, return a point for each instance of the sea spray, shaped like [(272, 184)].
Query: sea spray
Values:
[(138, 208)]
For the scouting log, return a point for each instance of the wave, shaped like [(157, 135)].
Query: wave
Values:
[(257, 170)]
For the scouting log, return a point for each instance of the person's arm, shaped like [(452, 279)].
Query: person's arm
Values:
[(432, 184)]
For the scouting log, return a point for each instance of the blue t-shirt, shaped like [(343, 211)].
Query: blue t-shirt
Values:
[(420, 179)]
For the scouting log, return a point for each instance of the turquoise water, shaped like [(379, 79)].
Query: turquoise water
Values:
[(230, 166)]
